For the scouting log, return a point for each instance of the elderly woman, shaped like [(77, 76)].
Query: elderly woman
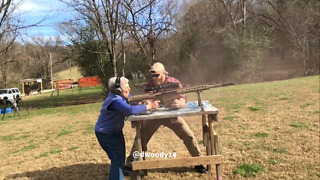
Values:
[(108, 128)]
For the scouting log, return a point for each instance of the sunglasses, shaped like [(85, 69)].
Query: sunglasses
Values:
[(155, 75)]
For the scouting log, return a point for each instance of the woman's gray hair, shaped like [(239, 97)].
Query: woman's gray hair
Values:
[(112, 82)]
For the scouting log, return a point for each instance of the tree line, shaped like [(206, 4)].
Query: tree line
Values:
[(198, 40)]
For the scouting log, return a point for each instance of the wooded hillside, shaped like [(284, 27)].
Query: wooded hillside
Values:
[(199, 41)]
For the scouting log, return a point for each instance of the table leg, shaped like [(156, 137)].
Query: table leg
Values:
[(143, 146), (214, 142), (206, 139), (143, 140), (204, 130), (139, 145), (208, 151)]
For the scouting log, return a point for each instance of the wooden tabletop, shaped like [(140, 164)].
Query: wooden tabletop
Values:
[(191, 109)]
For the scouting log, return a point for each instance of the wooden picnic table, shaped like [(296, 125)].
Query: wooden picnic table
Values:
[(210, 138)]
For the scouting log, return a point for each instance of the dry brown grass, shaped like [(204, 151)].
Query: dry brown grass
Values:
[(275, 125)]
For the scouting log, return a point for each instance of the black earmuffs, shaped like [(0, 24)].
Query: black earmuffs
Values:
[(117, 87)]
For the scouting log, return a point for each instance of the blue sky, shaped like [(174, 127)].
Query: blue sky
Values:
[(33, 11), (53, 11)]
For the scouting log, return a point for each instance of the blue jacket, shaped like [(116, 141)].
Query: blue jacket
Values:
[(113, 112)]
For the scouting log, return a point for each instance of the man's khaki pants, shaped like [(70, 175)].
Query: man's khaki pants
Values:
[(177, 125)]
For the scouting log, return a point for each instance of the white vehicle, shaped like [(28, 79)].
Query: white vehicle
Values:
[(6, 94), (16, 93)]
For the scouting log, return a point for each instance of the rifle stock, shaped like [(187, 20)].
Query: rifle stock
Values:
[(167, 97)]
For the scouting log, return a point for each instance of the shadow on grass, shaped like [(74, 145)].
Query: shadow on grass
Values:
[(88, 171), (59, 101), (169, 172), (173, 170), (78, 171)]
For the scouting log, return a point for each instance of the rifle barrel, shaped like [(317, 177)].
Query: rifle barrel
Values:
[(202, 87), (141, 97)]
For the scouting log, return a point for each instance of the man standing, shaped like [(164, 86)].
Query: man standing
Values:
[(177, 125)]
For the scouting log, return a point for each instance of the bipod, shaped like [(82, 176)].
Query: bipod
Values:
[(12, 105)]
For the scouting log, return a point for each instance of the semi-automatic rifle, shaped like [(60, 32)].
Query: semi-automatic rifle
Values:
[(166, 97)]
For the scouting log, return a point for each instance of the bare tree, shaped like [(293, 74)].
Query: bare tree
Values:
[(10, 64), (233, 11), (39, 50), (10, 22), (299, 22), (6, 10), (10, 29), (149, 21), (115, 24), (124, 13), (106, 19)]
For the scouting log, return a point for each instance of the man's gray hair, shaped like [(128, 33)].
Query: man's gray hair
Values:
[(112, 82)]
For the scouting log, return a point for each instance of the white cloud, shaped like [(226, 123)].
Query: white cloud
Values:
[(39, 5), (33, 11), (26, 7), (32, 8)]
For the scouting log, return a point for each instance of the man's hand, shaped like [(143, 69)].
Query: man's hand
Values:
[(178, 103), (152, 104)]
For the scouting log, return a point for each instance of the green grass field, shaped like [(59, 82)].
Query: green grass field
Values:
[(266, 131)]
